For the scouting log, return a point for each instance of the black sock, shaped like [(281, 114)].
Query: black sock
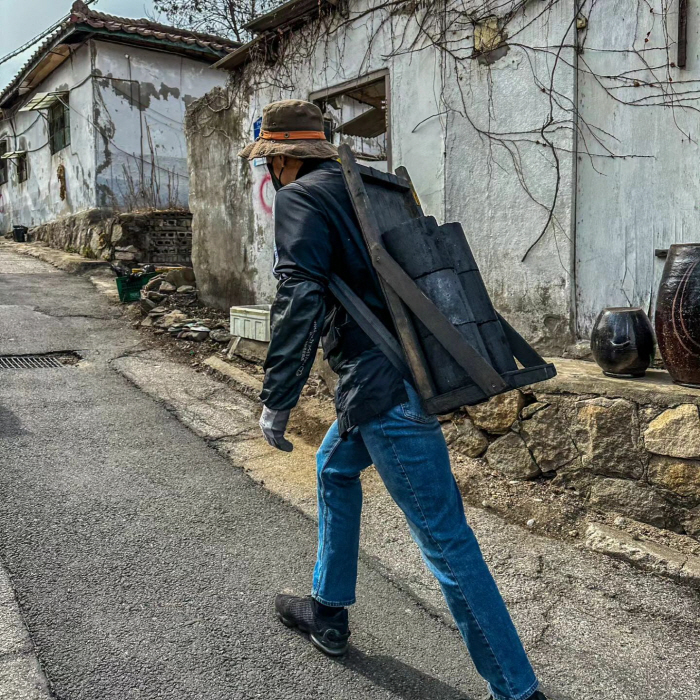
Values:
[(326, 610)]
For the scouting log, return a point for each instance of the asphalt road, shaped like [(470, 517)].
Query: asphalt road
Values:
[(144, 564)]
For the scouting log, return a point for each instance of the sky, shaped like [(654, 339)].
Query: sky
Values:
[(22, 20)]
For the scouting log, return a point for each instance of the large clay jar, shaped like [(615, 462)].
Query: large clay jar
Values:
[(622, 342), (678, 314)]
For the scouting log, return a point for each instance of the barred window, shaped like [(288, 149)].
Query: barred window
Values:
[(3, 163), (22, 168), (59, 125)]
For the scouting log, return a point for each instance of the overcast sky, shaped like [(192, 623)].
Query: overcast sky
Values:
[(22, 20)]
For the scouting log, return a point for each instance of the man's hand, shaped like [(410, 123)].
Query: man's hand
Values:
[(273, 424)]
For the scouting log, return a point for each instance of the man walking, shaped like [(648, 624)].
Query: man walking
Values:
[(381, 419)]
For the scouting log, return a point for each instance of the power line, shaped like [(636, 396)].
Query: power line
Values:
[(38, 37)]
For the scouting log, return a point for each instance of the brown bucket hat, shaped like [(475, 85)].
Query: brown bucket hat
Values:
[(291, 128)]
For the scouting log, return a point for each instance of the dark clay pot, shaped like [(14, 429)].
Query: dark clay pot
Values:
[(622, 342), (678, 314)]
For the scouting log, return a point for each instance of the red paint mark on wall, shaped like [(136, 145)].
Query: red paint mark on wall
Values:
[(266, 194)]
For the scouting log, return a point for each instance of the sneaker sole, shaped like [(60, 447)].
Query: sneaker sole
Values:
[(328, 651)]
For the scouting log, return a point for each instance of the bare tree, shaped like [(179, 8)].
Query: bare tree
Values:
[(220, 17)]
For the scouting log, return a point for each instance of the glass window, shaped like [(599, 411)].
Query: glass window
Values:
[(59, 125)]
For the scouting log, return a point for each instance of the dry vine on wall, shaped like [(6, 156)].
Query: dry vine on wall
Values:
[(552, 35)]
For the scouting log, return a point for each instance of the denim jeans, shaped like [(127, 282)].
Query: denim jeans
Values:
[(408, 450)]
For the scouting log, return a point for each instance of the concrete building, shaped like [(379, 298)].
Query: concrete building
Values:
[(95, 120), (560, 134)]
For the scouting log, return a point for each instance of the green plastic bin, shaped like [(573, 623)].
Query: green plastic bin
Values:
[(129, 288)]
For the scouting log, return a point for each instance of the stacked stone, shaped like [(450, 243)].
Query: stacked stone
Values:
[(171, 289), (639, 461)]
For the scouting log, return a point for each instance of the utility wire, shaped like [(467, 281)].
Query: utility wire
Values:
[(38, 37)]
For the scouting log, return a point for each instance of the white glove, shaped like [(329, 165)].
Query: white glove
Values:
[(273, 424)]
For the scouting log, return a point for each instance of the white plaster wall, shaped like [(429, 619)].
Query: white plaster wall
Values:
[(414, 98), (628, 206), (458, 174), (495, 114), (140, 92), (38, 200)]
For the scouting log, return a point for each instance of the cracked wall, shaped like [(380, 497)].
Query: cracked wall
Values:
[(458, 173)]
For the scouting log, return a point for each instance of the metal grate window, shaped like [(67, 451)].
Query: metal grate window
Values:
[(3, 162), (59, 125), (30, 361), (22, 168)]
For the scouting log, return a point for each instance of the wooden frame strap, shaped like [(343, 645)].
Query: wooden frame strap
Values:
[(480, 371)]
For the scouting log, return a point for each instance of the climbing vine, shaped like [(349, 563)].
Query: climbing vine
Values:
[(480, 35)]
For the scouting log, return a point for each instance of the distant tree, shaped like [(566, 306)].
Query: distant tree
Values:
[(220, 17)]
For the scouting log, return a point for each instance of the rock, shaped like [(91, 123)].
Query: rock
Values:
[(531, 409), (465, 438), (186, 289), (648, 556), (510, 455), (256, 351), (147, 305), (548, 439), (220, 335), (634, 500), (675, 433), (531, 523), (180, 277), (147, 322), (197, 336), (499, 413), (691, 523), (155, 296), (158, 311), (678, 475), (126, 257), (154, 283), (166, 288), (170, 319), (606, 433)]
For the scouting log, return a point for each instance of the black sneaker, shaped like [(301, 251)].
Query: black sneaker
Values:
[(329, 633)]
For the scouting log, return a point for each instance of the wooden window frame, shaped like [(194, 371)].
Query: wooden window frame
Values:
[(349, 85), (59, 125)]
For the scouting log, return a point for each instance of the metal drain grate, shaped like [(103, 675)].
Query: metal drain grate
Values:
[(33, 361)]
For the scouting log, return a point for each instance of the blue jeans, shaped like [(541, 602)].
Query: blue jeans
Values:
[(408, 450)]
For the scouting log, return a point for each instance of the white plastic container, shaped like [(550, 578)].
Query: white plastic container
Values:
[(252, 322)]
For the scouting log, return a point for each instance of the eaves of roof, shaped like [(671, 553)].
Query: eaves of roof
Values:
[(86, 22), (292, 13)]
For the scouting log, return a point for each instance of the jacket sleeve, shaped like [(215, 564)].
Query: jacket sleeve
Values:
[(303, 260)]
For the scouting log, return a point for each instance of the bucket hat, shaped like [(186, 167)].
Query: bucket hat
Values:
[(291, 128)]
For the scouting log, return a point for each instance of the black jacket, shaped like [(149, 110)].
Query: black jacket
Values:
[(316, 234)]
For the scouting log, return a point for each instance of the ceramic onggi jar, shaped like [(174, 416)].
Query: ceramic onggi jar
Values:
[(678, 314)]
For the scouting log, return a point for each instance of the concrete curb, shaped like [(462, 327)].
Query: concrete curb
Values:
[(68, 262), (21, 676), (648, 556)]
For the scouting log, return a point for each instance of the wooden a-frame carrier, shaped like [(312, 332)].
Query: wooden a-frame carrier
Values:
[(485, 347)]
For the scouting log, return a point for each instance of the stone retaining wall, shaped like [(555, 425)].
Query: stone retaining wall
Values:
[(625, 446), (160, 237)]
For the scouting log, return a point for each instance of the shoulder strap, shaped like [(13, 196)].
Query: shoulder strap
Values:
[(369, 323)]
